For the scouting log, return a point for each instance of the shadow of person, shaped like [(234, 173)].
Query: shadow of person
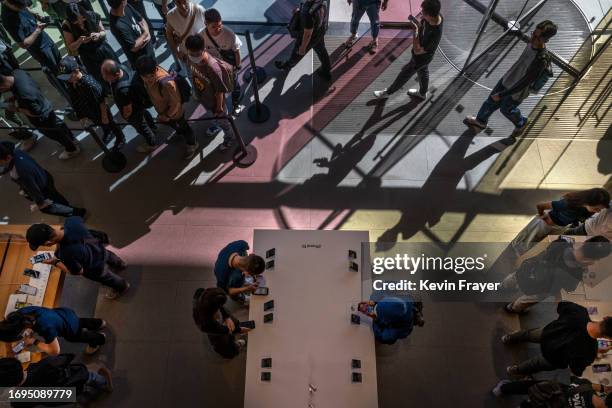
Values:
[(603, 153), (428, 207)]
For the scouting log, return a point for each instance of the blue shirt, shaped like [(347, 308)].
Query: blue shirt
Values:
[(77, 254), (228, 277), (562, 214), (394, 319), (53, 323), (21, 24), (32, 178)]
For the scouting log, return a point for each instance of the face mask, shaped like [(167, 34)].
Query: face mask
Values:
[(195, 60)]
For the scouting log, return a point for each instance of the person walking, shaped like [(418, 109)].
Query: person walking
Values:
[(35, 183), (372, 8), (80, 253), (427, 35), (515, 85)]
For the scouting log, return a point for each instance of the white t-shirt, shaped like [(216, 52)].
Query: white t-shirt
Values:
[(226, 40), (600, 224), (179, 23)]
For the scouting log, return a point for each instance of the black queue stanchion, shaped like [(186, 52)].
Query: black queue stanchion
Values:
[(259, 112), (114, 160), (260, 72), (245, 155)]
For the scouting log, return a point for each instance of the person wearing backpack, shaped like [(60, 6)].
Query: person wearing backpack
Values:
[(55, 371), (40, 328), (212, 79), (569, 341), (168, 92), (131, 99), (580, 393), (308, 26), (533, 64), (560, 266), (79, 252)]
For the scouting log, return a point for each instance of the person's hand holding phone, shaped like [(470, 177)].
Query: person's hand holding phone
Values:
[(28, 340), (230, 324), (40, 26), (95, 36)]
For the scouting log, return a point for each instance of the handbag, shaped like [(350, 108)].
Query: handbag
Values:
[(228, 56)]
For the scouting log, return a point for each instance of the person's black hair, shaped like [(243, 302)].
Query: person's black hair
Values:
[(606, 327), (146, 65), (597, 247), (593, 196), (7, 149), (548, 29), (194, 43), (13, 326), (608, 400), (255, 264), (114, 3), (209, 302), (431, 7), (11, 373), (212, 15), (75, 10)]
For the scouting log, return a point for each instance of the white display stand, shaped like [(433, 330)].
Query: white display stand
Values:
[(311, 340)]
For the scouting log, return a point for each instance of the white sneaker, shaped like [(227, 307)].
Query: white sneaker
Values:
[(28, 144), (238, 110), (241, 344), (381, 94), (497, 390), (65, 155), (414, 93), (146, 148), (191, 150)]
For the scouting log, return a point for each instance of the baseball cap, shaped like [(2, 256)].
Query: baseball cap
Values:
[(66, 67), (38, 234)]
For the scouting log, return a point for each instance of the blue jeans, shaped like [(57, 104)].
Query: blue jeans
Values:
[(372, 10), (507, 106), (96, 381)]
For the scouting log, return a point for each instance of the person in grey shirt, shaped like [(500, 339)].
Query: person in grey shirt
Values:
[(599, 224), (514, 86)]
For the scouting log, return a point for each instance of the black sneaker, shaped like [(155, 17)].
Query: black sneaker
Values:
[(226, 145), (281, 65)]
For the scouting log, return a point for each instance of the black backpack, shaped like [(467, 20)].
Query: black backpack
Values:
[(295, 25), (181, 83)]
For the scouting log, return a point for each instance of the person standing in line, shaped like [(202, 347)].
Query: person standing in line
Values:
[(89, 103), (162, 7), (212, 318), (555, 216), (372, 9), (310, 35), (80, 253), (222, 43), (35, 183), (129, 94), (85, 35), (29, 100), (515, 85), (185, 19), (212, 81), (41, 327), (131, 30), (427, 35), (139, 6), (8, 64), (569, 341), (166, 96)]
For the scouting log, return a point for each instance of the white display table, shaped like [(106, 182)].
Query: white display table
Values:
[(311, 340)]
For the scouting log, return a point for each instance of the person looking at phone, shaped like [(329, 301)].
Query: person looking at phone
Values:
[(213, 319), (569, 341), (427, 35), (234, 264), (40, 328), (393, 317)]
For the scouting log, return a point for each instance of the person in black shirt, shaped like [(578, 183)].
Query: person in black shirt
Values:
[(139, 6), (88, 100), (84, 34), (35, 183), (425, 41), (211, 317), (313, 21), (31, 102), (570, 341), (8, 63), (54, 371), (129, 94), (560, 266), (131, 30)]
